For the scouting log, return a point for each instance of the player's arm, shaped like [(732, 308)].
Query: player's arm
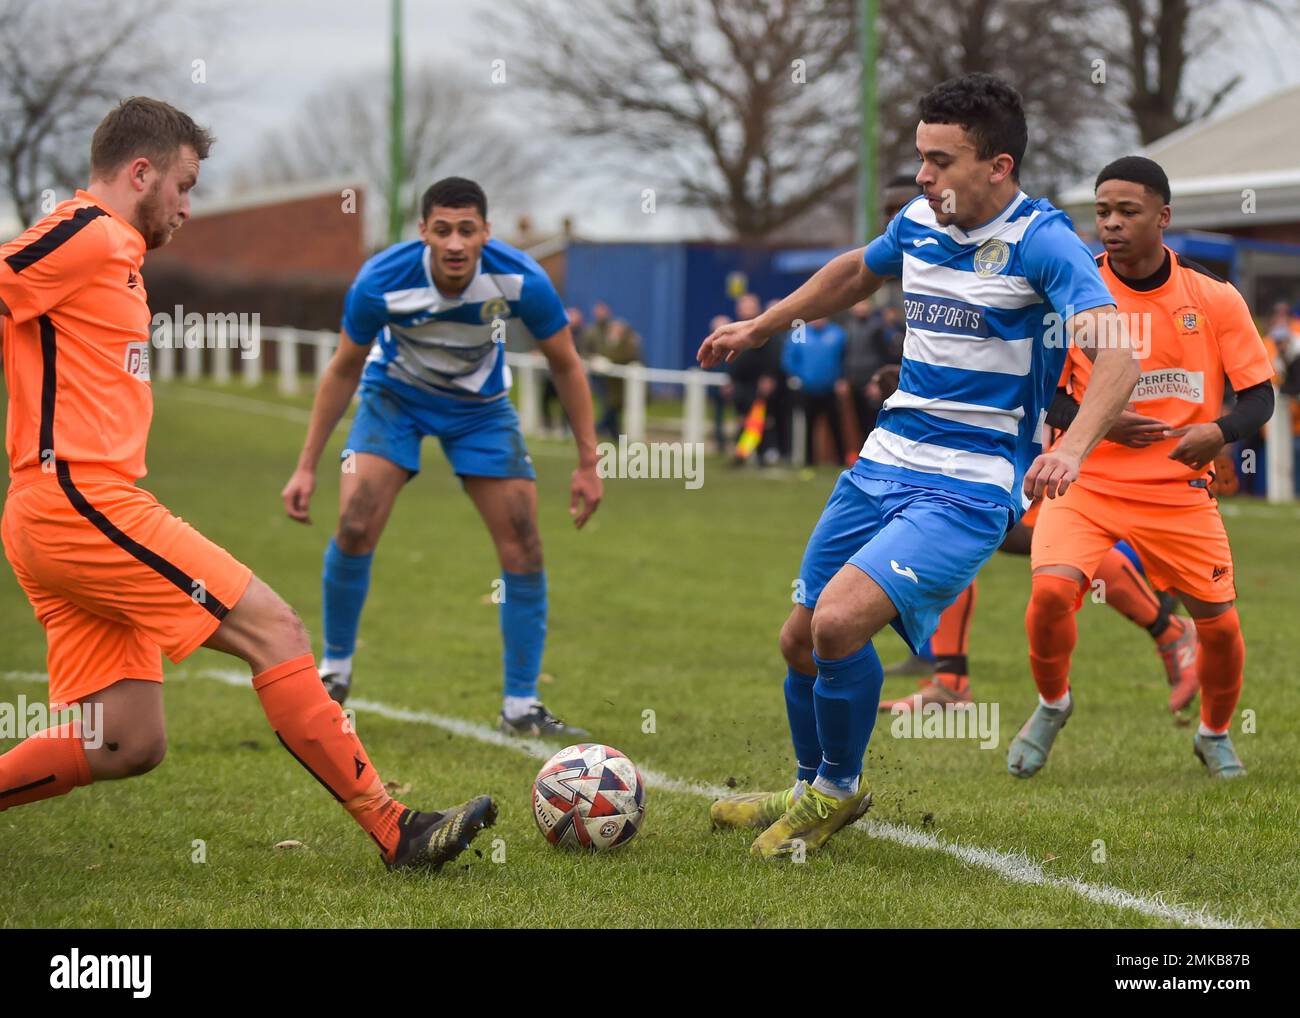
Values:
[(1199, 444), (1101, 333), (570, 377), (337, 387), (1132, 429), (1062, 270), (836, 286), (1250, 372)]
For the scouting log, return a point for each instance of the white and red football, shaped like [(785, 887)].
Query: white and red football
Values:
[(588, 797)]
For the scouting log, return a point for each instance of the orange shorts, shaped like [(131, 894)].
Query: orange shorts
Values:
[(1031, 514), (1183, 547), (113, 577)]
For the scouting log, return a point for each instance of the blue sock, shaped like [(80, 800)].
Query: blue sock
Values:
[(846, 696), (802, 713), (346, 581), (523, 630)]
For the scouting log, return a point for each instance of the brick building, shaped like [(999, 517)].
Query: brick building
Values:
[(288, 254)]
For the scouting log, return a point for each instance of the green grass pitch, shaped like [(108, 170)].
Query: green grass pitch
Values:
[(670, 601)]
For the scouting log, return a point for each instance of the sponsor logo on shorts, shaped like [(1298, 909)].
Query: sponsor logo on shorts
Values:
[(1170, 383), (1220, 572), (137, 361), (903, 571)]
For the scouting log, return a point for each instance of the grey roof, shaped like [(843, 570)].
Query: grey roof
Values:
[(1240, 169)]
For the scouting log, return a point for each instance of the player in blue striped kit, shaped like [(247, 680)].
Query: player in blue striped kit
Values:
[(424, 331), (993, 283)]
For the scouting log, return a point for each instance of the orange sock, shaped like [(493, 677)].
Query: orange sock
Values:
[(50, 763), (1130, 595), (316, 731), (951, 640), (1049, 622), (1223, 659)]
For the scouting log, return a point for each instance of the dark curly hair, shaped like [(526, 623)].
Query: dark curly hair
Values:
[(989, 109), (1137, 170), (454, 193)]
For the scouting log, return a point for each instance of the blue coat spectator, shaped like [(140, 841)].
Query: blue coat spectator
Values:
[(813, 357), (818, 360)]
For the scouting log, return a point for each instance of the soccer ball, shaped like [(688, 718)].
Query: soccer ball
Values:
[(588, 797)]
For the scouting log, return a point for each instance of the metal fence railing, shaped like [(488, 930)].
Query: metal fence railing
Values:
[(300, 353)]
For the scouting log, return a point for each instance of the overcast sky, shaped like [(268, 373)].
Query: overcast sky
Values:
[(265, 57)]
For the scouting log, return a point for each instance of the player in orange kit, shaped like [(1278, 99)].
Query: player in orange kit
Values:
[(1124, 588), (114, 577), (1195, 328)]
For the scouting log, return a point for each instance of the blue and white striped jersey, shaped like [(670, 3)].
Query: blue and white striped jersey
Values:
[(432, 346), (982, 355)]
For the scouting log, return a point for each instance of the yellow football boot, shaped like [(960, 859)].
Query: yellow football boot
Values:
[(810, 821), (752, 809)]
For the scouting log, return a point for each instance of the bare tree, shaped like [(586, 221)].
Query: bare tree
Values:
[(62, 66), (343, 131), (1040, 46), (1155, 44), (745, 109), (751, 109)]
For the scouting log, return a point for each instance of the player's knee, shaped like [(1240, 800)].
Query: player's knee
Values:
[(262, 630), (148, 754), (835, 631), (354, 535), (1052, 596), (137, 754), (286, 628), (521, 552), (797, 641)]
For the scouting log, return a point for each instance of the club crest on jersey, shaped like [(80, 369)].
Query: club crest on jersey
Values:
[(137, 361), (992, 257), (497, 307), (1189, 318)]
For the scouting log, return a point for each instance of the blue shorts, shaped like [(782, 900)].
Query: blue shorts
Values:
[(480, 439), (922, 545)]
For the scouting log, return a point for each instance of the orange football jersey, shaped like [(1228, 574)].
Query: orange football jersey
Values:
[(1197, 329), (76, 341)]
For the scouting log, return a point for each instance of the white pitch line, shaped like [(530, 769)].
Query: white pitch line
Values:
[(1015, 867)]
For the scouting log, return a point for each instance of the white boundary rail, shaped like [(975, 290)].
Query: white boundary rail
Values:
[(529, 370)]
